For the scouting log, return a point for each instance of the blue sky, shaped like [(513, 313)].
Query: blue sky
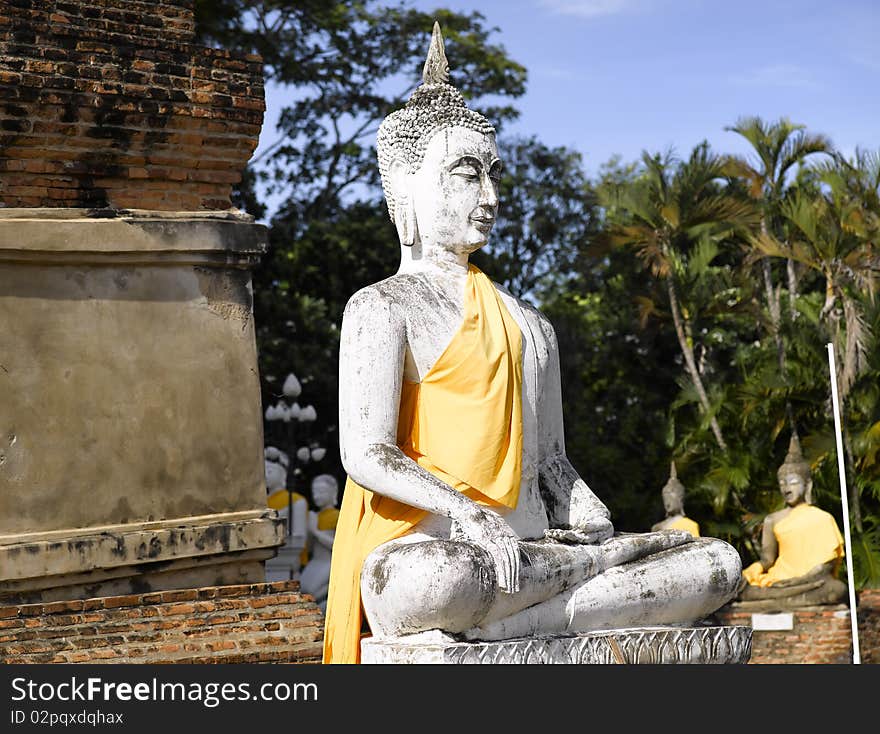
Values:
[(613, 77)]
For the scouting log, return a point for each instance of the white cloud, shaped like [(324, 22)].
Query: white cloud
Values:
[(776, 75), (589, 8)]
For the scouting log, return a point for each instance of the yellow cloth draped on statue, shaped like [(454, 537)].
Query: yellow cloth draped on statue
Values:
[(685, 523), (807, 537), (473, 398), (327, 518), (282, 498)]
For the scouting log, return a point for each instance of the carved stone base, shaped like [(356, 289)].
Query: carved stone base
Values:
[(643, 645)]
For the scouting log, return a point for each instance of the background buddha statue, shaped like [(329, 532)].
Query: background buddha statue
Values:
[(673, 504), (288, 562), (801, 547), (462, 518), (321, 527)]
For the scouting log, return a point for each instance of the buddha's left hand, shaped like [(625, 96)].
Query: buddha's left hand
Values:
[(587, 533)]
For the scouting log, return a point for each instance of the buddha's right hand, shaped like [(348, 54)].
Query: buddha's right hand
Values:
[(496, 537), (588, 533)]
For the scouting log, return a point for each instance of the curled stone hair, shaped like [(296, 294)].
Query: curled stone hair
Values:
[(405, 133)]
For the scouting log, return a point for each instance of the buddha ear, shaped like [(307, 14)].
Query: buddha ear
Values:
[(808, 491), (404, 208)]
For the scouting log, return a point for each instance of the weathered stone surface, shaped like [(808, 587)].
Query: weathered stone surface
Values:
[(131, 427), (649, 645), (138, 558)]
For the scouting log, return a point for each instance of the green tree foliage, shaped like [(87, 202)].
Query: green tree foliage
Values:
[(675, 216), (548, 215)]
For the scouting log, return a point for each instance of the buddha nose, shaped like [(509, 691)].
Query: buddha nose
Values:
[(488, 192)]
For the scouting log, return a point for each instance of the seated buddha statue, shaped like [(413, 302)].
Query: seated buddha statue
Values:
[(321, 528), (462, 518), (801, 547), (291, 506), (673, 505)]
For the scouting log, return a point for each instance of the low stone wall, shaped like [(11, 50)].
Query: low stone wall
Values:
[(819, 635), (253, 623)]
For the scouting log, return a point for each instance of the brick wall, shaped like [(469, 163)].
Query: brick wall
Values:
[(820, 635), (253, 623), (108, 103), (868, 613)]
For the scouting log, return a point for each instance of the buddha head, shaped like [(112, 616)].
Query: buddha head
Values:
[(325, 490), (795, 477), (673, 494), (439, 164), (275, 463)]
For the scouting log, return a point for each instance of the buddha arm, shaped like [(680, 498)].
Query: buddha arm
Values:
[(371, 356), (570, 502), (324, 537), (298, 524), (769, 544)]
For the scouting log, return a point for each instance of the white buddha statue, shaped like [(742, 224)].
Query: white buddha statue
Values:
[(291, 507), (321, 526), (462, 518)]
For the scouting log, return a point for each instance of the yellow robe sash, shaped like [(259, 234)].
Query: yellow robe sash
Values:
[(462, 423), (279, 499), (327, 518), (807, 536), (685, 523)]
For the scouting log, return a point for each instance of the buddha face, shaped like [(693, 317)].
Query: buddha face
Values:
[(455, 190), (276, 476), (673, 503), (324, 491), (793, 488)]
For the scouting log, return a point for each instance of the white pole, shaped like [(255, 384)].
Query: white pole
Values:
[(845, 502)]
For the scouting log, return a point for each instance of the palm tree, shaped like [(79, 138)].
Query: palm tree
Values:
[(834, 232), (779, 147), (672, 212)]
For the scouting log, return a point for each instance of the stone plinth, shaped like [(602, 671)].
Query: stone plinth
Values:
[(131, 444), (648, 645)]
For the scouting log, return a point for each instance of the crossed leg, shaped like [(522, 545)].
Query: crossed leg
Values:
[(662, 577)]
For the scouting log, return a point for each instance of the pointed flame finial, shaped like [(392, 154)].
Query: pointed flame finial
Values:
[(436, 69), (795, 454), (673, 485)]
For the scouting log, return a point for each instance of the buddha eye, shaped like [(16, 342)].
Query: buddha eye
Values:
[(467, 172)]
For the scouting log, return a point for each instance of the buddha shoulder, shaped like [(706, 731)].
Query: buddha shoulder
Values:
[(774, 517), (387, 298), (537, 321)]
